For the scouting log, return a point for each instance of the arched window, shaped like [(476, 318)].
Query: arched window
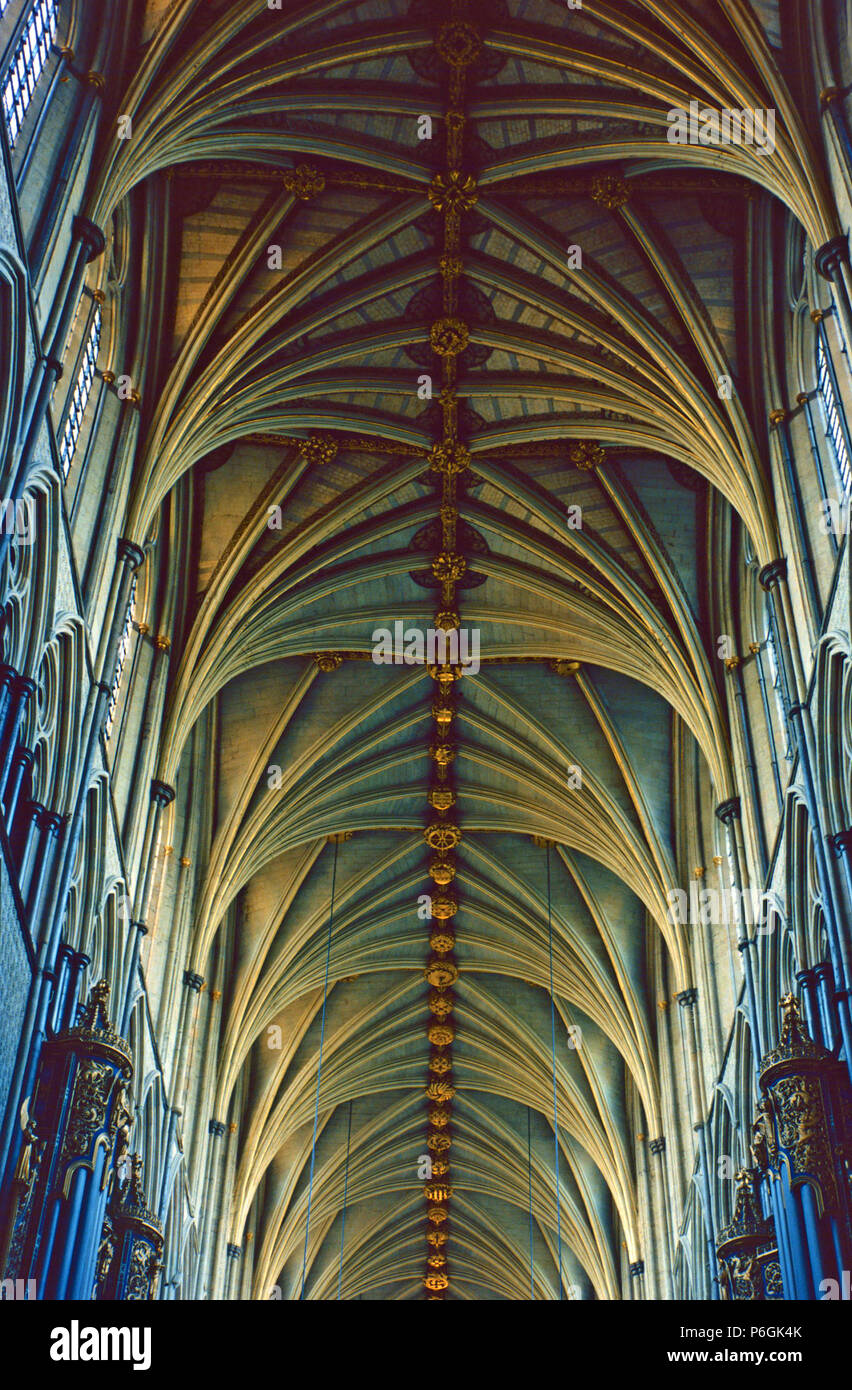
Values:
[(27, 64), (80, 394), (123, 648), (836, 429)]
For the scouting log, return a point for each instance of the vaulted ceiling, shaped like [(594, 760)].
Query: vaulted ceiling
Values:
[(357, 203)]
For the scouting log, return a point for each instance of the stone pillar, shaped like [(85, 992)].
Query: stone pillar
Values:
[(779, 423), (808, 988), (193, 983), (728, 813), (26, 834), (734, 670), (637, 1271), (832, 263), (660, 1180), (152, 707), (78, 963), (687, 1000), (831, 101), (161, 796), (213, 1161), (50, 827), (60, 988), (8, 675), (20, 692), (233, 1253), (824, 978)]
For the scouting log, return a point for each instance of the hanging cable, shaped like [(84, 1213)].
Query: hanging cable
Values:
[(345, 1192), (553, 1052), (529, 1165), (319, 1070)]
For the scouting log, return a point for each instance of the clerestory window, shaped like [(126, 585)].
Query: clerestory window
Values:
[(832, 409), (123, 649), (80, 394), (27, 65)]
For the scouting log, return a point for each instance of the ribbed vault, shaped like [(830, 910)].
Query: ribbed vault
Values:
[(290, 423)]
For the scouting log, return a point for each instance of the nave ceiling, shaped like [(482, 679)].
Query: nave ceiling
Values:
[(553, 387)]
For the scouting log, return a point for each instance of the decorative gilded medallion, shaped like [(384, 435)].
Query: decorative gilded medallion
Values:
[(458, 43), (441, 973), (443, 907), (329, 661), (585, 454), (442, 798), (448, 337), (440, 1003), (442, 941), (317, 449), (449, 457), (437, 1192), (304, 182), (441, 1034), (448, 565), (442, 871), (441, 1092), (456, 192), (610, 190), (442, 836)]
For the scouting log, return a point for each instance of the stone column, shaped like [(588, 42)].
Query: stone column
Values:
[(20, 692), (233, 1253), (661, 1188), (728, 812), (832, 263), (161, 796), (831, 101), (687, 1000), (193, 983), (733, 667), (50, 828)]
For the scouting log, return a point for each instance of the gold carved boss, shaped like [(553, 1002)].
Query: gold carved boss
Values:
[(449, 336), (458, 43), (455, 192)]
